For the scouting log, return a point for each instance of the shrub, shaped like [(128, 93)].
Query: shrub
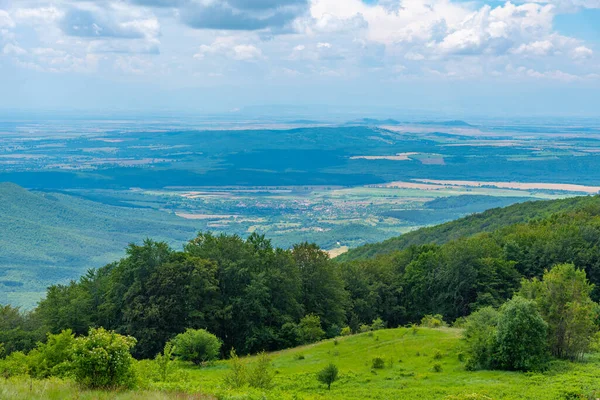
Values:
[(378, 363), (346, 331), (328, 375), (378, 324), (289, 334), (299, 356), (237, 375), (521, 336), (260, 375), (563, 298), (335, 342), (164, 361), (333, 331), (437, 367), (364, 328), (103, 359), (309, 329), (414, 329), (14, 365), (433, 321), (55, 357), (480, 338), (459, 322), (197, 346), (437, 355)]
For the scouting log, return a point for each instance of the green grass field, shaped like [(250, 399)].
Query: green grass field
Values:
[(408, 374)]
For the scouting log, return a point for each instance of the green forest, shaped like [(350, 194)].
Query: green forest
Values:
[(518, 286)]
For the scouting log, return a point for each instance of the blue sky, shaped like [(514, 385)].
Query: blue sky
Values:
[(451, 56)]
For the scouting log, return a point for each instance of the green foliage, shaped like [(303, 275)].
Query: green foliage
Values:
[(563, 298), (521, 336), (364, 328), (378, 324), (17, 363), (346, 331), (438, 355), (55, 357), (164, 361), (487, 221), (480, 337), (437, 367), (433, 321), (197, 346), (260, 374), (377, 363), (237, 376), (103, 360), (328, 375), (309, 329)]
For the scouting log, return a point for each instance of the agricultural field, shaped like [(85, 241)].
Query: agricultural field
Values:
[(338, 184), (419, 363)]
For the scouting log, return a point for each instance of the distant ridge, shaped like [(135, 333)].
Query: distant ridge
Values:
[(452, 123), (50, 237), (486, 221)]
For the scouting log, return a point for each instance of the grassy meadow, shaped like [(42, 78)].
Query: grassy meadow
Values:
[(420, 363)]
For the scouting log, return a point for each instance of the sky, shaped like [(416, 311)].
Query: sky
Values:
[(447, 56)]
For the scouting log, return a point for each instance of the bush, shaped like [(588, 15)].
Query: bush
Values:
[(197, 346), (260, 375), (103, 360), (521, 336), (15, 364), (437, 367), (328, 375), (309, 329), (299, 356), (437, 355), (289, 335), (164, 361), (378, 363), (55, 357), (433, 321), (237, 375), (346, 331), (364, 328), (563, 298), (333, 331), (480, 338), (378, 324)]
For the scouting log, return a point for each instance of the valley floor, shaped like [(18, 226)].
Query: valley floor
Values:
[(409, 373)]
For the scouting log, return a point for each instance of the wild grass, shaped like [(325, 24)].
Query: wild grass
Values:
[(405, 375)]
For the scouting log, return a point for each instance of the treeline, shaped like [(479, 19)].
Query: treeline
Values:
[(255, 297)]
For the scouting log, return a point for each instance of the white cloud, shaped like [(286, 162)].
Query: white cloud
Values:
[(39, 14), (11, 49), (414, 56), (226, 46), (246, 52), (537, 48), (5, 20), (581, 53)]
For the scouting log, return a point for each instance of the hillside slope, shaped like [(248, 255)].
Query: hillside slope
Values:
[(487, 221), (408, 373), (50, 238)]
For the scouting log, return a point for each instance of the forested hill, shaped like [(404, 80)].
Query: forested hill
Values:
[(48, 238), (487, 221)]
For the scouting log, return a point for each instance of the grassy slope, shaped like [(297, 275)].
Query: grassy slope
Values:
[(486, 221), (411, 375), (47, 238)]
